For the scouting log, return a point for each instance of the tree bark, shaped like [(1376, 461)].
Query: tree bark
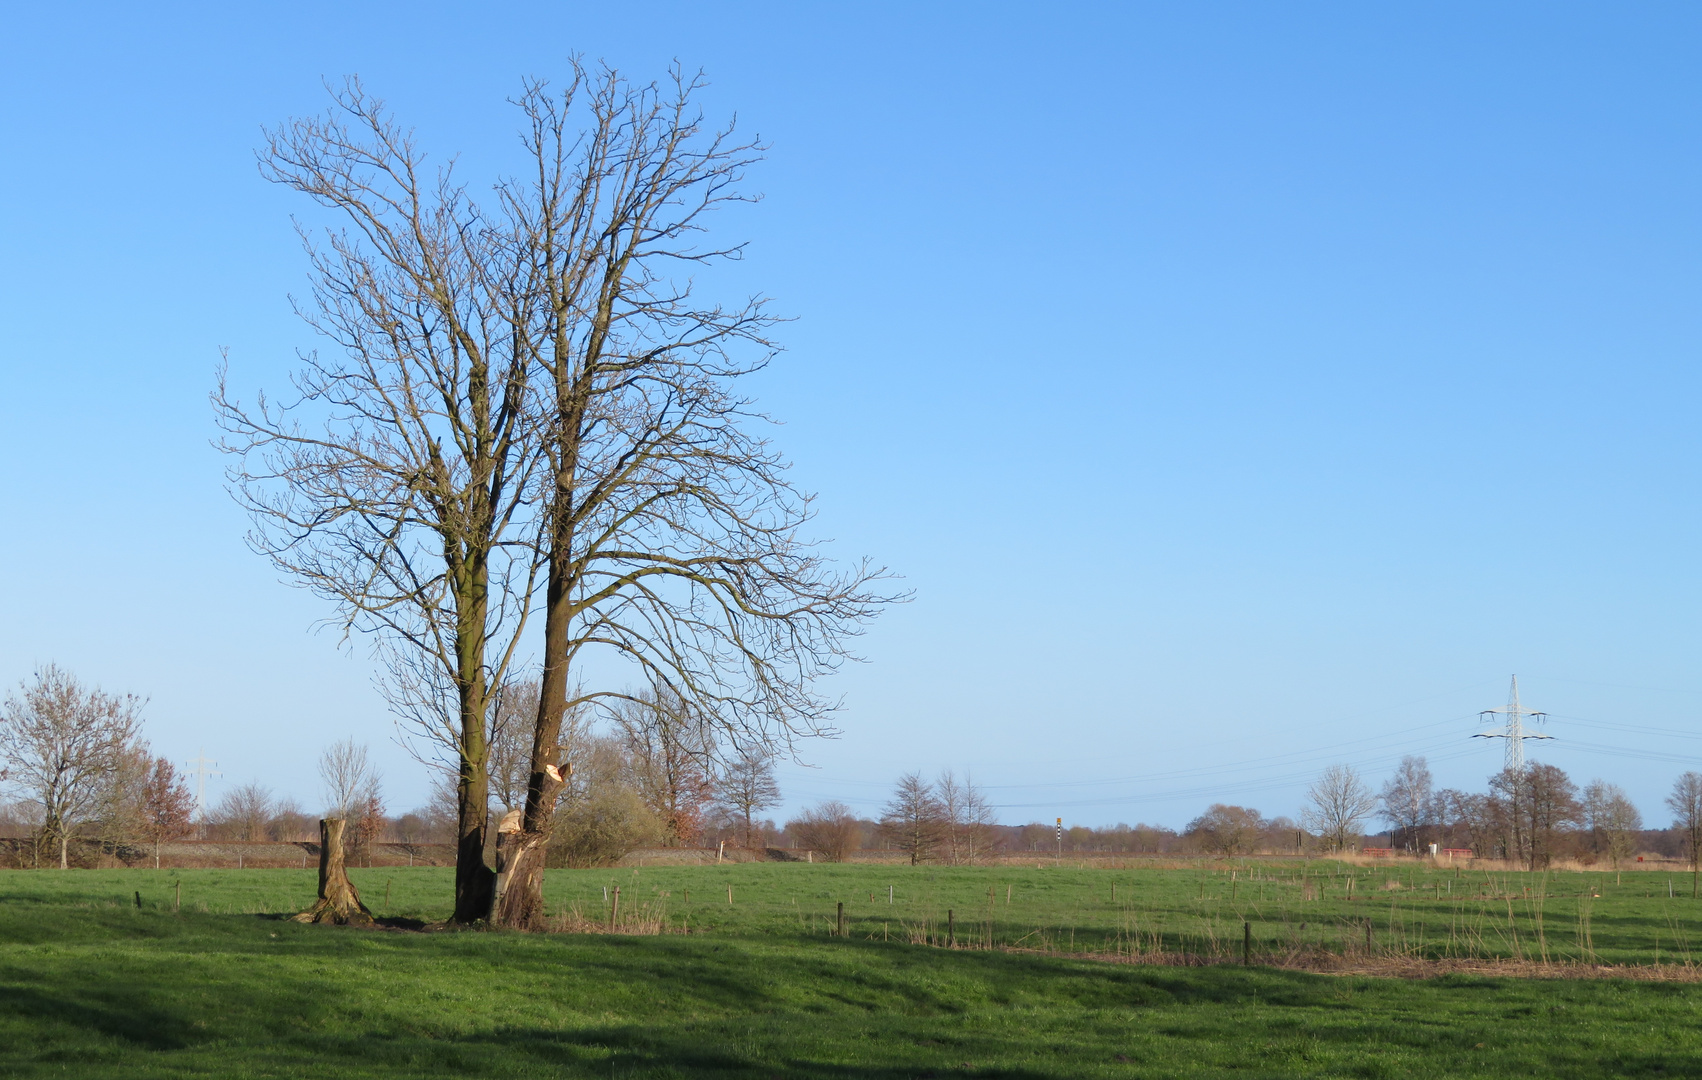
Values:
[(338, 901), (520, 855), (475, 882)]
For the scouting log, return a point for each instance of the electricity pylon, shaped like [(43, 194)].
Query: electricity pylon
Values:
[(201, 773), (1514, 731)]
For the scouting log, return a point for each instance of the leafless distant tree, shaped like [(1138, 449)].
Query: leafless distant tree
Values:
[(1685, 802), (1227, 830), (746, 787), (348, 779), (913, 821), (1337, 805), (1532, 805), (513, 708), (393, 480), (967, 818), (290, 822), (672, 535), (60, 742), (243, 812), (670, 748), (830, 829), (1612, 819), (1550, 805), (1407, 800)]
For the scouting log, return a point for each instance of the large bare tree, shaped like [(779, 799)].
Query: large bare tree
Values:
[(670, 530), (1337, 805), (913, 820), (60, 743), (391, 480)]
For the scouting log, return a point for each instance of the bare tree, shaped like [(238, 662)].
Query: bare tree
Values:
[(1337, 805), (829, 828), (60, 742), (1227, 830), (1407, 800), (348, 779), (168, 808), (913, 821), (747, 787), (514, 706), (1612, 820), (1550, 804), (392, 482), (967, 818), (1685, 802), (672, 535), (669, 749), (243, 812)]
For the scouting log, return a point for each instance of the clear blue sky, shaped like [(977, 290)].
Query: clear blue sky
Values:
[(1240, 387)]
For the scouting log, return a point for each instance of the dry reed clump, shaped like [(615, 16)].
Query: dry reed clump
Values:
[(1325, 962), (645, 920)]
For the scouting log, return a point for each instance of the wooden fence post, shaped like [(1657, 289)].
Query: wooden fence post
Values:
[(615, 909), (841, 919), (1246, 944), (951, 930)]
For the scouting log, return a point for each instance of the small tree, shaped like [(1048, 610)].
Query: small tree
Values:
[(1227, 830), (748, 786), (1337, 805), (967, 818), (348, 778), (1550, 804), (830, 828), (1685, 802), (1612, 820), (365, 828), (913, 820), (60, 743), (168, 808), (1407, 800)]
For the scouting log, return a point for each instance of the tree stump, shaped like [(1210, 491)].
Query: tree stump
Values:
[(338, 901)]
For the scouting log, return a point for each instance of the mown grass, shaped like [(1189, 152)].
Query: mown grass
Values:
[(92, 986)]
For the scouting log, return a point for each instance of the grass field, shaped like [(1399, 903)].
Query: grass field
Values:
[(92, 986)]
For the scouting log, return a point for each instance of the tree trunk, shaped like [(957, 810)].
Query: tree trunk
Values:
[(338, 901), (475, 882), (519, 881), (64, 851), (521, 905)]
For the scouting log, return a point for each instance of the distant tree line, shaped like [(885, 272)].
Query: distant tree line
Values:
[(78, 778)]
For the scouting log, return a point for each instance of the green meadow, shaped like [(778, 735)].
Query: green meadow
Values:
[(206, 978)]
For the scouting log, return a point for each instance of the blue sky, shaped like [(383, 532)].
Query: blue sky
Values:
[(1240, 388)]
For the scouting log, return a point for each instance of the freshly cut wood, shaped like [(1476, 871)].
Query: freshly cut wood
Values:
[(338, 901)]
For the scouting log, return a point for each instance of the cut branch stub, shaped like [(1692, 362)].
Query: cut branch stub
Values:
[(338, 901)]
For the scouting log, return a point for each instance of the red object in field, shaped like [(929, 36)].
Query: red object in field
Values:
[(1378, 852), (1457, 852), (1639, 858)]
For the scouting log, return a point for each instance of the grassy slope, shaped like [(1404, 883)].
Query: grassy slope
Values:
[(92, 987)]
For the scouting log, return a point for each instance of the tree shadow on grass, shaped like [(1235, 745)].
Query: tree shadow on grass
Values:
[(124, 1016)]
